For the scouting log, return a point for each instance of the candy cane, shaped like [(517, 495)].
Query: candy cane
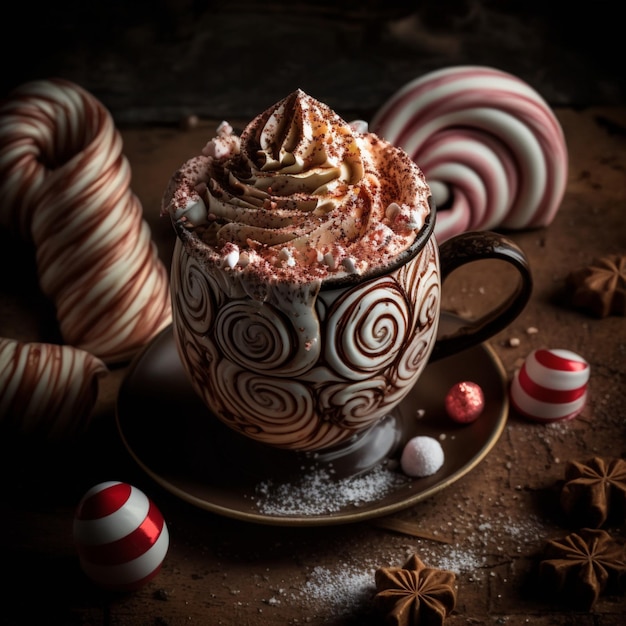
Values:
[(490, 147), (65, 185)]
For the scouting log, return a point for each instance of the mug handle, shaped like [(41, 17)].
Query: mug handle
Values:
[(476, 246)]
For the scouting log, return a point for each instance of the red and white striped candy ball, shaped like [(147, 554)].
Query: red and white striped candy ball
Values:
[(551, 385), (120, 535)]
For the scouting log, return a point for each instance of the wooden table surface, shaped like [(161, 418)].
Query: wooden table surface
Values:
[(489, 526)]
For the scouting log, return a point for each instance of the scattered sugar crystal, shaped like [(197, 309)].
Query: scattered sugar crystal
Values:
[(318, 493), (478, 548), (460, 561), (342, 592)]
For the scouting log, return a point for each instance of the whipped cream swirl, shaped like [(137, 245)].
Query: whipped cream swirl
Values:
[(299, 196)]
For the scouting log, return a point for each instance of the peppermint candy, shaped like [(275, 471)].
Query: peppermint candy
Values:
[(120, 535), (551, 385)]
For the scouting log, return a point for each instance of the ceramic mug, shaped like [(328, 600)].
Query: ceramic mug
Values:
[(373, 336)]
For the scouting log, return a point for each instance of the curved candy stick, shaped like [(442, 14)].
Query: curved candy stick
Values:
[(46, 389), (490, 147), (65, 185)]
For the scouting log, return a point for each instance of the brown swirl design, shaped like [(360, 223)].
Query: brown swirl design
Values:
[(354, 406), (192, 297), (422, 280), (281, 407), (428, 310), (373, 343), (367, 328), (256, 336)]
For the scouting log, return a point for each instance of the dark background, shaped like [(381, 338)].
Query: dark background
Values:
[(161, 60)]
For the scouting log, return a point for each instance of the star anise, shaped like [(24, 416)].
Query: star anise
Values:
[(600, 287), (414, 594), (581, 566), (594, 490)]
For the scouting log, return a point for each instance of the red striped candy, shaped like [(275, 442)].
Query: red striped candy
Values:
[(120, 535), (551, 385), (491, 148)]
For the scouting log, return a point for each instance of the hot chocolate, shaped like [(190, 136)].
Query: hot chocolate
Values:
[(299, 197), (305, 278)]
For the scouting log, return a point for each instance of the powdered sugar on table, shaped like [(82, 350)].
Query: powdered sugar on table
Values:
[(317, 492)]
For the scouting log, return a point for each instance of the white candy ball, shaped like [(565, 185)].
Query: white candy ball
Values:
[(422, 456)]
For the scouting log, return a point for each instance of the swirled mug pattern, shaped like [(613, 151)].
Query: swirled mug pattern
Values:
[(252, 366)]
